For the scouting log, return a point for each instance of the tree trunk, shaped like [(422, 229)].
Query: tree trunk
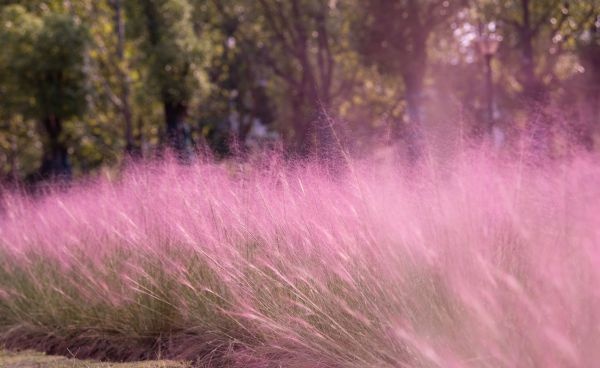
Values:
[(531, 86), (13, 159), (178, 132), (313, 132), (591, 56), (489, 92), (413, 77), (591, 110), (300, 122), (55, 162), (124, 77), (413, 81), (317, 136)]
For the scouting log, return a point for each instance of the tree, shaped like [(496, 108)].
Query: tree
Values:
[(125, 90), (300, 51), (524, 21), (43, 60), (239, 97), (539, 33), (395, 35), (175, 62), (588, 47)]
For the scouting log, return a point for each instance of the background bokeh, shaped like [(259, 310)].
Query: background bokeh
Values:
[(86, 83)]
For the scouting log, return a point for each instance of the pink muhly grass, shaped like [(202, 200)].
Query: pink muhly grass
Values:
[(482, 264)]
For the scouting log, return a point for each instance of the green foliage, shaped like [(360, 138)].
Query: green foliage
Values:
[(43, 63), (174, 53), (18, 30)]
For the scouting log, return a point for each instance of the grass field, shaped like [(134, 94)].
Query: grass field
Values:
[(481, 263)]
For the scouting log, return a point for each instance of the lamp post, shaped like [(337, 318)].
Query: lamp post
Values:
[(487, 45)]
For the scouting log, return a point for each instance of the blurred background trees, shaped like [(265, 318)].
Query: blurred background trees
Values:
[(44, 79), (85, 84), (395, 38), (172, 52)]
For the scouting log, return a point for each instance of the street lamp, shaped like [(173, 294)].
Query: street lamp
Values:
[(487, 45)]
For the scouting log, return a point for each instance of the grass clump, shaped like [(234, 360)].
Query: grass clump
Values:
[(486, 265)]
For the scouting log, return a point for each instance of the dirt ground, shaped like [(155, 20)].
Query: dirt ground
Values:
[(32, 359)]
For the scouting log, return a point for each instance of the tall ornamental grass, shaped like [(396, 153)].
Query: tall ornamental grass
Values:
[(481, 263)]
